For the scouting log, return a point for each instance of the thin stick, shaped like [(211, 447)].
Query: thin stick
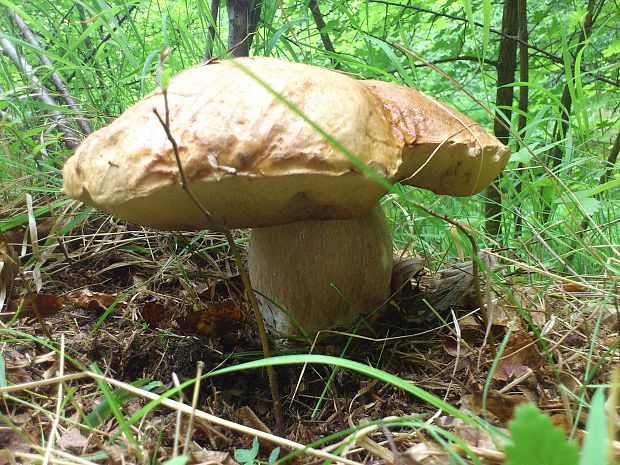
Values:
[(62, 454), (190, 426), (179, 406), (177, 427), (245, 278), (34, 458), (54, 432)]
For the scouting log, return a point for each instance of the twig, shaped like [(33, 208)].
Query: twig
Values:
[(70, 138), (320, 25), (60, 86), (190, 426), (72, 459), (59, 402), (34, 458), (166, 402), (290, 28), (245, 278), (475, 268), (179, 418), (475, 59)]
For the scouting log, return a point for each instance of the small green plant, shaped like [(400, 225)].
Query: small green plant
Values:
[(248, 456), (114, 401), (536, 440), (180, 460)]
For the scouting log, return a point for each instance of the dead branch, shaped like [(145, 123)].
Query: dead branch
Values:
[(70, 138), (63, 91), (320, 24)]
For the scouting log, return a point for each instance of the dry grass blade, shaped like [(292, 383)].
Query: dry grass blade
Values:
[(187, 409), (190, 427), (54, 431)]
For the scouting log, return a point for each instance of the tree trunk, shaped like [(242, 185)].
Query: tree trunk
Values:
[(320, 25), (507, 64), (215, 8), (524, 76), (555, 156), (243, 17)]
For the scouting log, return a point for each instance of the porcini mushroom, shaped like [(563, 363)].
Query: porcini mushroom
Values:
[(320, 252)]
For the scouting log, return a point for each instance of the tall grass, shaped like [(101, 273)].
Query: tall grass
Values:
[(108, 60)]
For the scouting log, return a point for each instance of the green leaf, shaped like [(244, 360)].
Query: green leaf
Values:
[(584, 199), (595, 443), (180, 460), (612, 49), (274, 455), (535, 440), (284, 28), (119, 397), (3, 382), (247, 456)]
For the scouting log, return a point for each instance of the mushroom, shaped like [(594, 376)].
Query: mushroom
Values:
[(320, 252)]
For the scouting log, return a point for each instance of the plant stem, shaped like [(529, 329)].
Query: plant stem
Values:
[(245, 278)]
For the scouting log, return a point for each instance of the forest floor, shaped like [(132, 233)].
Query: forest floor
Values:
[(143, 308)]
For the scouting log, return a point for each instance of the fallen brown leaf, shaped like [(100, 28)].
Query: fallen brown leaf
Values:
[(507, 370), (561, 420), (47, 305), (153, 312), (502, 406), (521, 349), (92, 301), (573, 287), (218, 320)]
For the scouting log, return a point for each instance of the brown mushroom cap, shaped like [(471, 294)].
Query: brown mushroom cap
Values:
[(444, 151), (253, 162), (249, 159)]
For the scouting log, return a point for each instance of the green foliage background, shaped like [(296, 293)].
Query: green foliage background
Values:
[(106, 53)]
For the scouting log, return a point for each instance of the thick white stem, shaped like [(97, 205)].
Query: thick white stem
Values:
[(323, 273)]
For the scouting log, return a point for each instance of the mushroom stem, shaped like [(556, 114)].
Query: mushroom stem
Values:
[(315, 275)]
